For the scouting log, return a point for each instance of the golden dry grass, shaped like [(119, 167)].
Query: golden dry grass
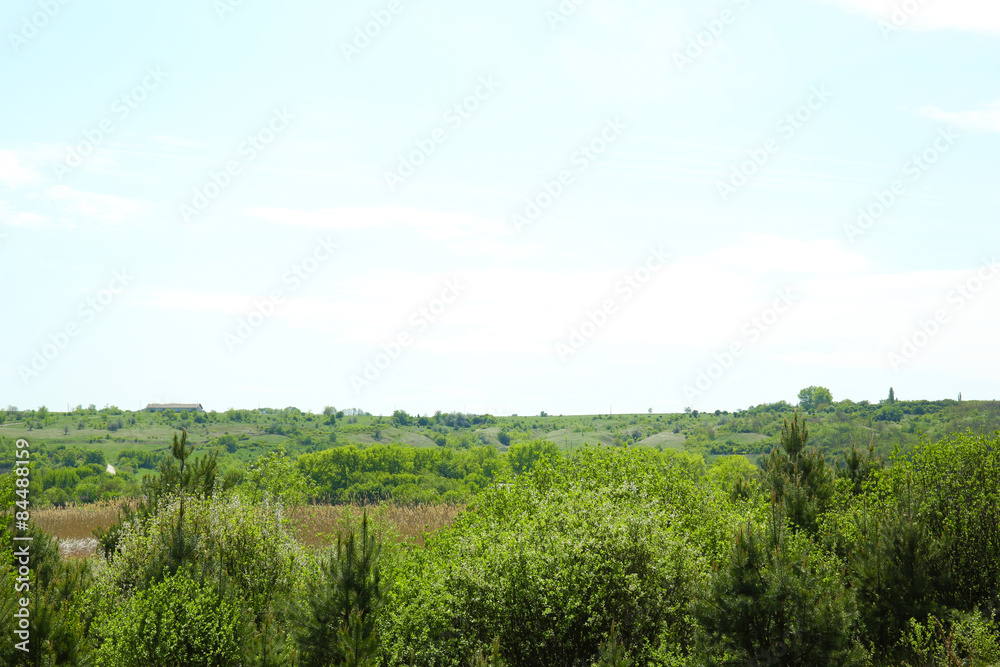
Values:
[(313, 525), (316, 524), (77, 521), (74, 525)]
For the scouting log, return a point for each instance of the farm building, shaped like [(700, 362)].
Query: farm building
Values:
[(176, 407)]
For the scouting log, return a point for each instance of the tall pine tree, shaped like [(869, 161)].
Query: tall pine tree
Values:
[(777, 601), (798, 478), (341, 625)]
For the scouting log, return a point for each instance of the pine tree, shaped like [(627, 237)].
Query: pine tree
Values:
[(611, 653), (794, 437), (892, 396), (775, 602), (893, 568), (341, 626), (860, 466), (491, 658), (799, 479), (177, 478)]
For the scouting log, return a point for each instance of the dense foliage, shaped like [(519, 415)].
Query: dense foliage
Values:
[(547, 566), (72, 450), (601, 555), (405, 474)]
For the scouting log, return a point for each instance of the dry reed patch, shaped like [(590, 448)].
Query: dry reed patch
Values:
[(315, 524), (312, 525), (74, 525), (77, 521)]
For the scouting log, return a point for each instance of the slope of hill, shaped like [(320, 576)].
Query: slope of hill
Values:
[(71, 450)]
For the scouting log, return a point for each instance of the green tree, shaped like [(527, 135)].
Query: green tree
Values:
[(958, 478), (777, 601), (859, 467), (178, 478), (889, 413), (343, 606), (548, 563), (277, 475), (523, 456), (892, 564), (797, 478), (814, 398), (56, 631), (736, 477)]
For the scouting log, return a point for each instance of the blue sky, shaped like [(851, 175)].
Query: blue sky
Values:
[(504, 208)]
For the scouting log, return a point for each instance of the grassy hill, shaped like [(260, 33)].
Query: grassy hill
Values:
[(86, 440)]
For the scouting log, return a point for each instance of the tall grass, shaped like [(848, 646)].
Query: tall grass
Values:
[(74, 525), (314, 525)]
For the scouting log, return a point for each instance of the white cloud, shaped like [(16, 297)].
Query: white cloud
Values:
[(467, 235), (85, 206), (14, 173), (840, 303), (969, 15), (764, 253), (437, 225), (203, 302), (12, 216), (987, 118)]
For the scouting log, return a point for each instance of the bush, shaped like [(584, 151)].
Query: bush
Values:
[(959, 479), (968, 639), (524, 455), (546, 567), (223, 538), (174, 622)]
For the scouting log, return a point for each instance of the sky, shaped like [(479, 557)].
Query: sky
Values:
[(577, 207)]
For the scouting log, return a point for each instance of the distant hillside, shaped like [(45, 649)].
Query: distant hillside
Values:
[(71, 450)]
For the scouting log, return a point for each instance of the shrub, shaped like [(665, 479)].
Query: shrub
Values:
[(175, 622), (524, 455), (967, 639), (547, 566)]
